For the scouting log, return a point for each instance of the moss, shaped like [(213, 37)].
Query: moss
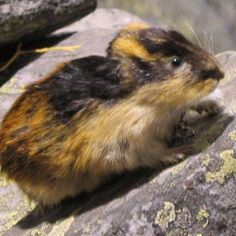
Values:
[(203, 215), (165, 215), (226, 170), (232, 135)]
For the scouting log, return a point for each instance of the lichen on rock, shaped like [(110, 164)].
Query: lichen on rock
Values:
[(165, 215), (232, 135), (203, 215), (225, 171)]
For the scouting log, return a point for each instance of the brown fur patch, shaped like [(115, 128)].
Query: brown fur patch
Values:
[(135, 27), (132, 48), (61, 138)]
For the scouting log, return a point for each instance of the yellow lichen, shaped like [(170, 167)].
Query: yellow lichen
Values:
[(86, 230), (227, 169), (61, 228), (4, 199), (165, 215), (11, 217), (37, 232), (203, 215), (176, 169), (206, 160), (4, 182), (175, 232), (232, 135), (41, 231), (8, 88), (153, 180), (171, 184)]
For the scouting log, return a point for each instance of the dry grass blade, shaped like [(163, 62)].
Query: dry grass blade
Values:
[(19, 52)]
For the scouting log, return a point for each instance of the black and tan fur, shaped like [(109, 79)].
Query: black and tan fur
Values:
[(100, 115)]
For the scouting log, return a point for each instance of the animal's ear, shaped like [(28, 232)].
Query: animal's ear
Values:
[(176, 36), (134, 27), (128, 43)]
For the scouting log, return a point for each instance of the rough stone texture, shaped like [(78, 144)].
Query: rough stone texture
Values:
[(102, 19), (212, 20), (195, 197), (28, 19)]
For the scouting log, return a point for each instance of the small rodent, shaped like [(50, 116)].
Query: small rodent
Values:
[(96, 116)]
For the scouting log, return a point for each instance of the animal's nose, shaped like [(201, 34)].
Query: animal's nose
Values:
[(216, 74), (221, 74)]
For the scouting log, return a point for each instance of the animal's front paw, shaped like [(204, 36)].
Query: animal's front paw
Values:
[(183, 133), (181, 156), (209, 107), (181, 152)]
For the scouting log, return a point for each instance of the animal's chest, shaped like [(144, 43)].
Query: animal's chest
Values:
[(140, 130), (165, 126)]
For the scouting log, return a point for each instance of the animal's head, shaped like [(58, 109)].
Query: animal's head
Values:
[(153, 57)]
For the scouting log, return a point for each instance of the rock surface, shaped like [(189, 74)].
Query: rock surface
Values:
[(195, 197), (30, 19), (212, 20)]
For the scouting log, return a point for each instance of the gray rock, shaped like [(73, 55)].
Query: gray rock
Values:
[(93, 38), (102, 19), (212, 20), (195, 197), (27, 20)]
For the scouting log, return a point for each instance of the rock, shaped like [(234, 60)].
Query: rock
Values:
[(215, 27), (89, 29), (195, 197), (102, 19), (93, 38), (27, 20)]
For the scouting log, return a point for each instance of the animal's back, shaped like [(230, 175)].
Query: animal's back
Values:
[(40, 145), (100, 115)]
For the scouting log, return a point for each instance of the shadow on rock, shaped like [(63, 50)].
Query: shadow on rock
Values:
[(8, 52), (207, 130), (118, 186)]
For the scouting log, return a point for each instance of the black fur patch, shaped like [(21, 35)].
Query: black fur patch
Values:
[(81, 82), (171, 42), (145, 72), (157, 40), (19, 165), (214, 74)]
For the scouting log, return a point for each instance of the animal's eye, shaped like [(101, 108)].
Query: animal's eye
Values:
[(176, 62)]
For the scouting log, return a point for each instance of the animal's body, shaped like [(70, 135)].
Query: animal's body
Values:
[(96, 116)]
